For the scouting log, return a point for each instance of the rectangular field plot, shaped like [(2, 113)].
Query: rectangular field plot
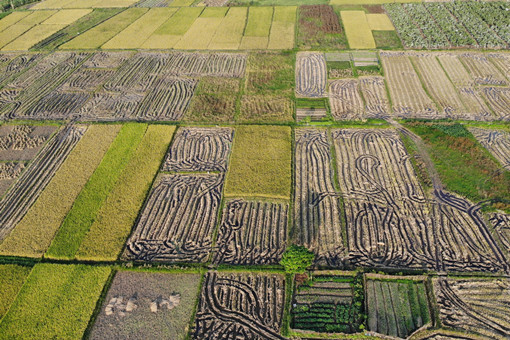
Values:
[(241, 305), (25, 191), (110, 86), (311, 75), (327, 303), (228, 36), (100, 34), (181, 231), (199, 149), (474, 305), (396, 307), (12, 278), (258, 26), (56, 302), (497, 142), (33, 234), (117, 214), (261, 163), (388, 222), (317, 203), (282, 32), (406, 91), (143, 304), (319, 27), (345, 99), (252, 233), (451, 24)]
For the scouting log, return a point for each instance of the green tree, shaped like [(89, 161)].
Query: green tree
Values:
[(296, 259)]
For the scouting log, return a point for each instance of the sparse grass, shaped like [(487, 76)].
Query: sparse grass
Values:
[(315, 103), (11, 279), (56, 302), (98, 35), (464, 166), (214, 100), (260, 163), (33, 235), (113, 223), (387, 40), (81, 25), (319, 28), (83, 213)]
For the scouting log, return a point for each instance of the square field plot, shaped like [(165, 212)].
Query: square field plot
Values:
[(240, 305), (328, 303), (396, 307), (143, 305)]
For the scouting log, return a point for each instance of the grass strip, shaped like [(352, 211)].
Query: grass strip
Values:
[(139, 31), (98, 35), (55, 302), (359, 34), (464, 166), (261, 162), (168, 34), (82, 215), (33, 235), (83, 24), (229, 34), (11, 279), (113, 223), (11, 19)]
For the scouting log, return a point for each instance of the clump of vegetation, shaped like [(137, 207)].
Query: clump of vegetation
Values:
[(296, 259)]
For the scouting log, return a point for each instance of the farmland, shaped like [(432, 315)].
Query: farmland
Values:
[(254, 169)]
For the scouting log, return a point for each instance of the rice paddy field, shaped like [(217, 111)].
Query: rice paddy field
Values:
[(254, 169)]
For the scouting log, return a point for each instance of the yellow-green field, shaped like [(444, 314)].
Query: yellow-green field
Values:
[(258, 26), (358, 32), (57, 4), (379, 22)]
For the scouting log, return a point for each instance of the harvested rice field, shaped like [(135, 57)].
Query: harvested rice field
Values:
[(254, 169)]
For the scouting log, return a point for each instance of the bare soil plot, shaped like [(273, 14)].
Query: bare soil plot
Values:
[(30, 184), (319, 26), (242, 305), (178, 220), (345, 99), (396, 307), (377, 104), (311, 75), (388, 222), (147, 305), (252, 233), (408, 97), (497, 142), (327, 303), (317, 204), (475, 305), (199, 149)]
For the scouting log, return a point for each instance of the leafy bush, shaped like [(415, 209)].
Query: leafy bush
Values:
[(296, 259)]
